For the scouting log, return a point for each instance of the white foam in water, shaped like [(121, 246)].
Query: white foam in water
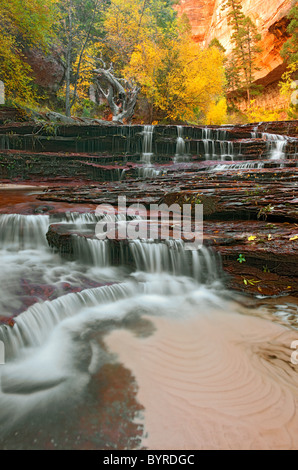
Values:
[(43, 267), (60, 356), (149, 171), (28, 265), (238, 166), (56, 347)]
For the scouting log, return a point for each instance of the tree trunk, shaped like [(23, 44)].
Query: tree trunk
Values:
[(67, 80), (121, 98), (248, 97)]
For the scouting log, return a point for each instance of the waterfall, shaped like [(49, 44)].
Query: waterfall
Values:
[(76, 218), (34, 325), (279, 152), (83, 219), (149, 172), (226, 150), (90, 251), (123, 175), (4, 142), (23, 231), (181, 154), (131, 339), (147, 144), (221, 134), (254, 133), (171, 256), (238, 166), (206, 134), (276, 145), (216, 145)]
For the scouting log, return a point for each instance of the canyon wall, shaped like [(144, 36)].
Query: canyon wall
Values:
[(209, 21)]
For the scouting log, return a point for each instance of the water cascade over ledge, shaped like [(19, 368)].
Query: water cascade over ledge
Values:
[(141, 343)]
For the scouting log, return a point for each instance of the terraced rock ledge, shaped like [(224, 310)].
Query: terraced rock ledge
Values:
[(244, 176)]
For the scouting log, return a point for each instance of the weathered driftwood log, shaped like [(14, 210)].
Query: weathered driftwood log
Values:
[(120, 94)]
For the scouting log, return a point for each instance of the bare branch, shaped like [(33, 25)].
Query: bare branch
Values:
[(121, 98)]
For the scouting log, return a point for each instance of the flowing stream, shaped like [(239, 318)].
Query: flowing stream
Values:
[(153, 352)]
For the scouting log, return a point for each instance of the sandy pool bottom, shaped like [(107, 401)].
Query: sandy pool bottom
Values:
[(214, 381)]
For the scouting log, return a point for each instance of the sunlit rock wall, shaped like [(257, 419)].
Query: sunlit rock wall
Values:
[(208, 21)]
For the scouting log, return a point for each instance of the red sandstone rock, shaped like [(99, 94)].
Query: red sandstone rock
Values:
[(48, 71), (208, 22)]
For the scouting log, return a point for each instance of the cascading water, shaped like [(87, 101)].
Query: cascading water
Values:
[(33, 326), (94, 252), (181, 154), (180, 146), (80, 219), (172, 257), (23, 231), (238, 166), (147, 152), (206, 136), (147, 172), (226, 150), (83, 219), (276, 146), (61, 382), (49, 343), (216, 146), (4, 142)]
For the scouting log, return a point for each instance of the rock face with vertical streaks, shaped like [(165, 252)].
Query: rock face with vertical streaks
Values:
[(208, 21)]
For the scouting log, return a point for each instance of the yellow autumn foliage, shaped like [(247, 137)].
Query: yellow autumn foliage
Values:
[(178, 77), (261, 114), (14, 71), (217, 113), (22, 23), (125, 25)]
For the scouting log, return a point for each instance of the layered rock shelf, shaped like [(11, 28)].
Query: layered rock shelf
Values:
[(252, 213), (244, 142), (268, 253), (244, 176)]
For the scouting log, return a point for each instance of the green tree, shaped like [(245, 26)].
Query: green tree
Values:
[(289, 89), (290, 48), (134, 30), (216, 43), (130, 23), (245, 39), (78, 25), (289, 81)]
